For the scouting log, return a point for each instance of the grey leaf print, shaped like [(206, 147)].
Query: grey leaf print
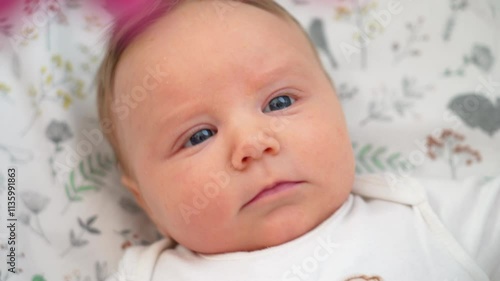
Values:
[(458, 4), (88, 225), (76, 242), (449, 27), (401, 106), (58, 132), (455, 6), (34, 201), (79, 241), (376, 111), (101, 271), (477, 111), (81, 223), (409, 48), (24, 218), (317, 32), (93, 230), (413, 90), (346, 92), (482, 57), (124, 232)]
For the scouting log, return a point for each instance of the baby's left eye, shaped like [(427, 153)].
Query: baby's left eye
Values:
[(279, 103)]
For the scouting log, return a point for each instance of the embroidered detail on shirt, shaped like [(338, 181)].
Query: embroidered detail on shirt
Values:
[(365, 278)]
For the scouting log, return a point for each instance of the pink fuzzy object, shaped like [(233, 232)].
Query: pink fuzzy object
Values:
[(6, 6)]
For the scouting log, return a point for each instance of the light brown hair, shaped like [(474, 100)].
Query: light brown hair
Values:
[(121, 34)]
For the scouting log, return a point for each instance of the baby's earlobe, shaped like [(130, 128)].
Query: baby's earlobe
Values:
[(130, 184), (133, 187)]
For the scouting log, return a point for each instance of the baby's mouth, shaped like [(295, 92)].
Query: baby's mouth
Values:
[(277, 187)]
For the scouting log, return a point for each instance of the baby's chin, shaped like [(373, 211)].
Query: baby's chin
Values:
[(258, 244), (272, 234)]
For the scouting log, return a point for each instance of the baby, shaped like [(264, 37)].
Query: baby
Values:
[(231, 138)]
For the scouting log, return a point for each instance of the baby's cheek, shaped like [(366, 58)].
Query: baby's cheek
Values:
[(199, 204), (320, 143)]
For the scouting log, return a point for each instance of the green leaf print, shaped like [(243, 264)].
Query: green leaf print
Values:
[(373, 159)]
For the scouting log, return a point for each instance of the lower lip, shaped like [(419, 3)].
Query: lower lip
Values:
[(279, 188)]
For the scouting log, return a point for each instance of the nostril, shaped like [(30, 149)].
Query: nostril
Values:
[(268, 150)]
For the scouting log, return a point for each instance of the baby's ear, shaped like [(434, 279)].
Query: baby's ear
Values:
[(133, 187)]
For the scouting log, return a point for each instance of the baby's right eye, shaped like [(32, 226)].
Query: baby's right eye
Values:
[(199, 137)]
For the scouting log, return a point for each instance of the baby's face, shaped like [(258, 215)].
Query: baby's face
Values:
[(240, 103)]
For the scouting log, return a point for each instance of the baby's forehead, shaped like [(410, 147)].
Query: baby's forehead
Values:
[(172, 61), (213, 17), (174, 40)]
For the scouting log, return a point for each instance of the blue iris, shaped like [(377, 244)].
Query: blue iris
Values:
[(279, 103)]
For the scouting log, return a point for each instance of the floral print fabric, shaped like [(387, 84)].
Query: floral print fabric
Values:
[(419, 82)]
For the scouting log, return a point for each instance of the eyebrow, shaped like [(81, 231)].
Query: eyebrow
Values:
[(262, 78), (177, 113)]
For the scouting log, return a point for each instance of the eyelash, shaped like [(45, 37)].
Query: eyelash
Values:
[(215, 131)]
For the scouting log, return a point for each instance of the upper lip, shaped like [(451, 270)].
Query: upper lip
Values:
[(269, 186)]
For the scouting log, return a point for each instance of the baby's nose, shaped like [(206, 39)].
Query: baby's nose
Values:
[(254, 147)]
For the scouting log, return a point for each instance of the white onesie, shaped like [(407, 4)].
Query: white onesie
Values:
[(432, 230)]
